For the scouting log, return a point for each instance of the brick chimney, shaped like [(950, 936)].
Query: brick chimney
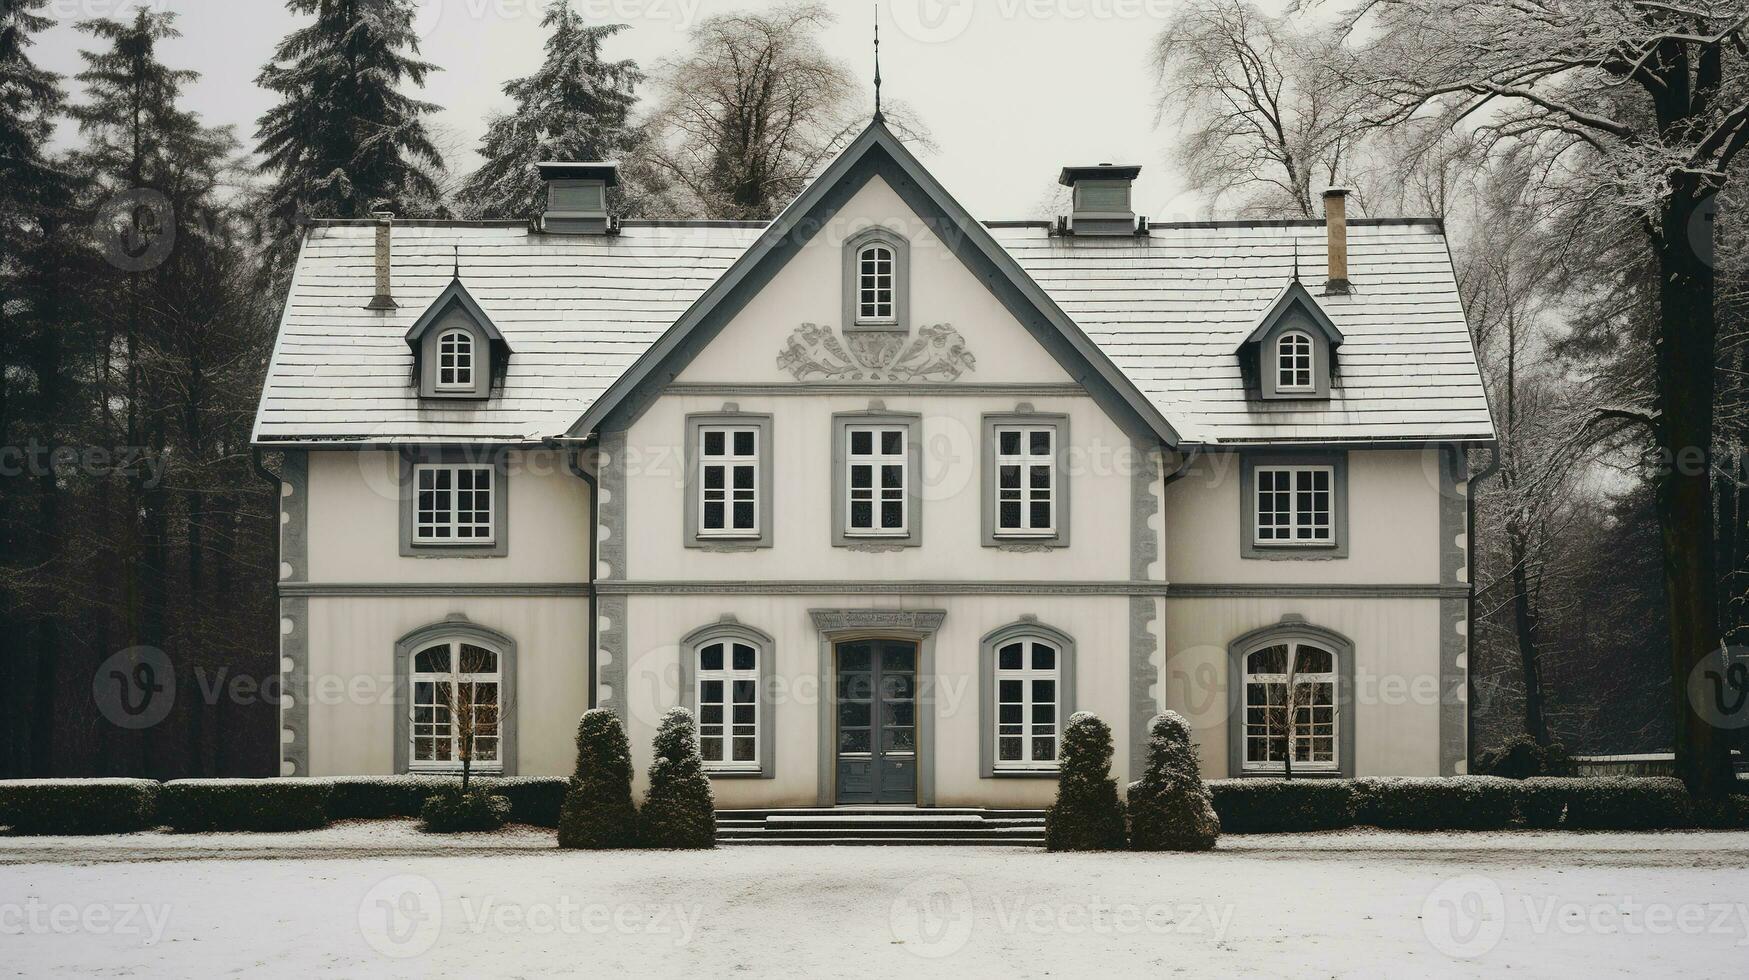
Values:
[(1336, 231), (384, 299)]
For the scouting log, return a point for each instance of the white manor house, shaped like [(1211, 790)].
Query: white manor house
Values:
[(881, 491)]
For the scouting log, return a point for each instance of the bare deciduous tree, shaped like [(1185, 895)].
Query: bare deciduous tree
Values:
[(1263, 113)]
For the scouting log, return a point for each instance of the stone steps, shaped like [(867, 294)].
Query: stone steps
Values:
[(882, 825)]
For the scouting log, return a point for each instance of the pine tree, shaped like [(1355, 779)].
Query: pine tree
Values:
[(1170, 807), (576, 108), (345, 140), (678, 810), (1087, 816), (597, 813)]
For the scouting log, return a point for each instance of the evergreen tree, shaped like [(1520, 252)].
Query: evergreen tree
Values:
[(1170, 807), (344, 140), (1087, 816), (678, 811), (576, 108), (597, 813)]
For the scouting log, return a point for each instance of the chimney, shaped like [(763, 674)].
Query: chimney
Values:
[(1336, 228), (577, 198), (1102, 199), (384, 299)]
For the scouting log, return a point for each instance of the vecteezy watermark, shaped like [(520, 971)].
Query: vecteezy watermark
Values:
[(567, 917), (941, 21), (136, 229), (36, 917), (101, 9), (61, 462), (401, 917), (1466, 917), (936, 916), (135, 688), (1718, 688), (428, 15)]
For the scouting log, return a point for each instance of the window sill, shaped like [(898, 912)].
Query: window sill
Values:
[(1025, 774), (734, 774), (1298, 774), (875, 325)]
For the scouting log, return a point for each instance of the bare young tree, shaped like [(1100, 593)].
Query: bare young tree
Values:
[(1262, 112), (1639, 106), (753, 112)]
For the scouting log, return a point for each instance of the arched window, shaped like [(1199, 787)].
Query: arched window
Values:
[(725, 678), (456, 684), (875, 284), (1291, 706), (455, 359), (1294, 362), (1028, 688)]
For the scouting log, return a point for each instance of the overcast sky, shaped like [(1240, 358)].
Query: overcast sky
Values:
[(1011, 90)]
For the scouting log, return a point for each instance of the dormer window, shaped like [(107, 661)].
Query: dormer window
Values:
[(874, 286), (455, 360), (457, 351), (1293, 361), (877, 281)]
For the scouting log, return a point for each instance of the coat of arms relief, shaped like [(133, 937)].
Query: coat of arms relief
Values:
[(817, 353)]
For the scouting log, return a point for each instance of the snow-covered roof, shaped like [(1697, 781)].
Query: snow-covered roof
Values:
[(1168, 309)]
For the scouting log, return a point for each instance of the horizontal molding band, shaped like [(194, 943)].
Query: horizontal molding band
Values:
[(1109, 588), (1112, 588), (515, 589), (1040, 390)]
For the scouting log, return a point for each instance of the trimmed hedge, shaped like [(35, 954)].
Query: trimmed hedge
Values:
[(1542, 801), (243, 804), (533, 799), (1088, 816), (1169, 806), (1628, 803), (78, 806), (450, 811), (1271, 806), (1435, 803)]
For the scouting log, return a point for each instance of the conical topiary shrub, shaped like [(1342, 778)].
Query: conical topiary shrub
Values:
[(1087, 816), (1170, 806), (678, 810), (598, 812)]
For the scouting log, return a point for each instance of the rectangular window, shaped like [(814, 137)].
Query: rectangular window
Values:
[(1026, 481), (728, 705), (877, 474), (453, 504), (728, 481), (1293, 505), (1026, 705)]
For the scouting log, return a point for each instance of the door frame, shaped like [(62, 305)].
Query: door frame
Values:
[(836, 626)]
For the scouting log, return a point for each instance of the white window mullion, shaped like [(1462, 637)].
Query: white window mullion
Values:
[(728, 481), (1294, 505), (454, 504), (1028, 705), (877, 480), (1026, 481)]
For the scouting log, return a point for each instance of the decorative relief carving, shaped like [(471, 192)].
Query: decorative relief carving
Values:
[(815, 352)]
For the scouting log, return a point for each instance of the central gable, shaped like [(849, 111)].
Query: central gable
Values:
[(946, 325), (876, 154)]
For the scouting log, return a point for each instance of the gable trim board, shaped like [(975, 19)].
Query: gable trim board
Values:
[(877, 152)]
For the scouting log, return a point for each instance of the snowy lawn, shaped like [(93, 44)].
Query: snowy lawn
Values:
[(1361, 903)]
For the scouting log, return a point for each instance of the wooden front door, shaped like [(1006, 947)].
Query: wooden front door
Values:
[(877, 721)]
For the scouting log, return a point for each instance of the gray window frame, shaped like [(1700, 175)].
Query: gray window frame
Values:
[(901, 246), (498, 457), (729, 630), (456, 627), (691, 524), (1337, 461), (993, 537), (455, 318), (987, 647), (842, 536), (1291, 627)]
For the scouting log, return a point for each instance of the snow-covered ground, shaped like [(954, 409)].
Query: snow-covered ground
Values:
[(372, 899)]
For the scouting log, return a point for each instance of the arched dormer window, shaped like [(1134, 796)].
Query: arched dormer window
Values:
[(455, 360), (1027, 693), (1293, 682), (876, 280), (1293, 362), (725, 678)]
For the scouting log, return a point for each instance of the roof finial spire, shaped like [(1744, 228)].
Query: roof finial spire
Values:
[(1296, 261), (458, 261), (877, 45)]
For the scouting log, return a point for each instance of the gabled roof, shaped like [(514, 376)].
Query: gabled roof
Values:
[(1292, 295), (454, 294), (878, 152)]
